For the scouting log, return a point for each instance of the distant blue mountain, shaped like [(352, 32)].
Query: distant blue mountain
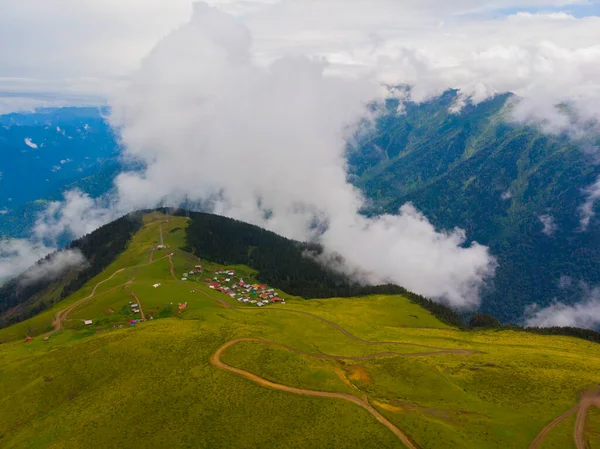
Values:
[(43, 153)]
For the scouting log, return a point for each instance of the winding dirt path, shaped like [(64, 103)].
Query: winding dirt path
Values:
[(172, 267), (588, 399), (62, 315), (364, 403), (539, 439)]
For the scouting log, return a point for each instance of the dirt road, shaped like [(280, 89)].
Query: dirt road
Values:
[(588, 398), (546, 430), (172, 267), (62, 315), (216, 361)]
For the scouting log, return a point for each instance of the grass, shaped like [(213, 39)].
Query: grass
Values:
[(152, 385)]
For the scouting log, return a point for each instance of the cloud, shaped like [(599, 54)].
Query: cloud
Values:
[(76, 215), (586, 210), (550, 226), (55, 265), (265, 144), (585, 314), (541, 49), (16, 255), (29, 143)]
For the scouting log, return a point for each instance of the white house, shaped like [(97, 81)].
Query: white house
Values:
[(87, 322)]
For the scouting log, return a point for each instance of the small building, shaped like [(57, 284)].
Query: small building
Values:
[(155, 286), (87, 322)]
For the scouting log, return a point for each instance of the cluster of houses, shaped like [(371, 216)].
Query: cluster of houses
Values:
[(224, 281)]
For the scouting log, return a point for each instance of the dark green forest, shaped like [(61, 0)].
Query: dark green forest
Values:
[(20, 300), (477, 171)]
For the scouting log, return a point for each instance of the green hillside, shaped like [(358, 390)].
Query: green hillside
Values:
[(477, 171), (373, 371)]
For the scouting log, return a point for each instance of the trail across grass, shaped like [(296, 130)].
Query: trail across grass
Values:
[(364, 403), (182, 378)]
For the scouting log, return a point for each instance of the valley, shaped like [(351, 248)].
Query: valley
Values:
[(368, 371)]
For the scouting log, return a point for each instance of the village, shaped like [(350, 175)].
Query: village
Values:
[(227, 282)]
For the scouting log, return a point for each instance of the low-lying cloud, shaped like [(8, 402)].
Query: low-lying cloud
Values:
[(76, 215), (17, 255), (265, 144), (54, 265), (592, 194), (549, 226), (585, 314)]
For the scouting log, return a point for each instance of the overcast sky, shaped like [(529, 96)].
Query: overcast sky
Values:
[(73, 51)]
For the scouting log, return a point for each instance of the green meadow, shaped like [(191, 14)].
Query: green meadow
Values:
[(153, 385)]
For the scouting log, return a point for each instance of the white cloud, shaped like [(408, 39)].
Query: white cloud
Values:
[(550, 226), (269, 141), (77, 215), (29, 143), (546, 57), (592, 194), (585, 314), (54, 266), (16, 255)]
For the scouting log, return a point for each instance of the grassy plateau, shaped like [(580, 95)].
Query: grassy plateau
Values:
[(370, 372)]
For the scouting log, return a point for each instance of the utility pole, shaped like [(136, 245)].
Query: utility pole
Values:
[(161, 236)]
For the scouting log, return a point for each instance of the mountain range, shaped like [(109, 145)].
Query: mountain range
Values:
[(50, 151), (510, 186)]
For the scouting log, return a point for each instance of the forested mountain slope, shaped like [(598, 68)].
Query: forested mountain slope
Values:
[(22, 298), (494, 179)]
